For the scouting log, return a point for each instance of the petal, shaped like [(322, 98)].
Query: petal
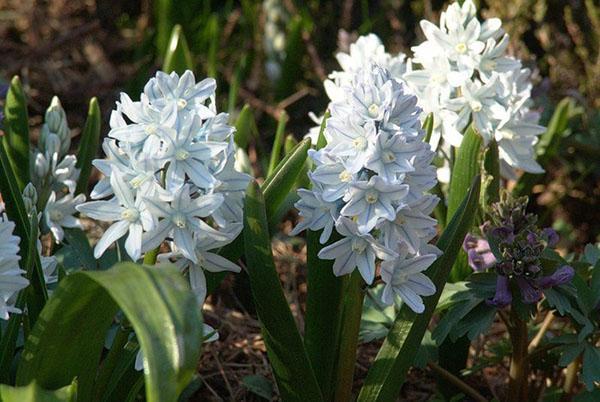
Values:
[(112, 234)]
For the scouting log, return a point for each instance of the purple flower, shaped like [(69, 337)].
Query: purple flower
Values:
[(561, 276), (551, 237), (503, 297), (503, 233), (529, 293), (479, 254)]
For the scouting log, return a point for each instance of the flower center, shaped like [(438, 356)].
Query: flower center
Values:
[(489, 65), (359, 143), (345, 176), (56, 215), (388, 156), (461, 48), (151, 129), (359, 245), (138, 180), (476, 106), (373, 110), (179, 220), (130, 214), (181, 154), (371, 197), (181, 103)]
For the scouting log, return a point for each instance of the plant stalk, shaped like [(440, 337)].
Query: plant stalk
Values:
[(519, 364), (457, 382), (351, 314)]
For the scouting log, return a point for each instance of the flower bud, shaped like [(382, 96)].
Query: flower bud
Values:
[(550, 236), (561, 276), (503, 297)]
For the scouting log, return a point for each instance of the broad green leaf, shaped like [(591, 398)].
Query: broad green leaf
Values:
[(291, 367), (16, 128), (277, 142), (466, 166), (291, 69), (245, 128), (68, 338), (33, 393), (178, 57), (290, 143), (277, 186), (78, 242), (590, 373), (88, 146), (15, 209), (549, 144), (399, 349)]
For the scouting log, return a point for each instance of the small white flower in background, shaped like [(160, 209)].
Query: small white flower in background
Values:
[(370, 179), (11, 275), (59, 213)]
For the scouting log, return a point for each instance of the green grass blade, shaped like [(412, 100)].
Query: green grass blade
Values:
[(277, 142), (68, 338), (277, 185), (33, 393), (212, 34), (178, 57), (16, 127), (245, 128), (549, 144), (291, 69), (466, 166), (88, 146), (292, 369), (400, 347), (163, 17), (428, 127), (490, 191)]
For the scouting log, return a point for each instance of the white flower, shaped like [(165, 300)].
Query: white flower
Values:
[(181, 217), (404, 277), (369, 201), (355, 250), (11, 276), (59, 213), (127, 210)]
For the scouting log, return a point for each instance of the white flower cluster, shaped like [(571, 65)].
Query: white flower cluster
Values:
[(466, 76), (11, 275), (370, 182), (460, 74), (169, 176), (54, 174)]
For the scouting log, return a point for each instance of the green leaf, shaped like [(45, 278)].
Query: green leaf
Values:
[(16, 128), (549, 144), (163, 20), (212, 37), (178, 57), (8, 342), (25, 227), (68, 338), (33, 393), (590, 372), (452, 318), (466, 166), (80, 245), (245, 128), (277, 142), (569, 352), (259, 385), (88, 146), (292, 369), (428, 127), (291, 69), (490, 190), (399, 349), (277, 186)]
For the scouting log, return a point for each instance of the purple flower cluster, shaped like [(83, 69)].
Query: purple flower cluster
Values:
[(512, 245)]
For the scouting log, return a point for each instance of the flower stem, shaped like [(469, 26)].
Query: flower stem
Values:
[(351, 314), (519, 364), (571, 376), (150, 257)]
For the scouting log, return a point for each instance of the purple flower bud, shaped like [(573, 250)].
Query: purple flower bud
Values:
[(551, 237), (504, 233), (532, 239), (561, 276), (529, 293), (503, 297)]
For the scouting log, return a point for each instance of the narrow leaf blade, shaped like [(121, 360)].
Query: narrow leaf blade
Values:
[(90, 140)]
